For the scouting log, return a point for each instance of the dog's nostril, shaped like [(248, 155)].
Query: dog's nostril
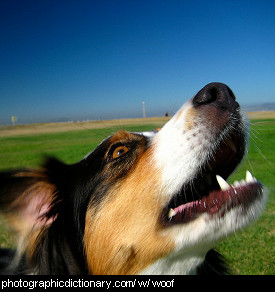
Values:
[(214, 93), (206, 95)]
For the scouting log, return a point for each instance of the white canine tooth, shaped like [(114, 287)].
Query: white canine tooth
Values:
[(249, 177), (223, 184), (171, 213)]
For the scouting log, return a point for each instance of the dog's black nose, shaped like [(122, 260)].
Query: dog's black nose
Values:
[(217, 94)]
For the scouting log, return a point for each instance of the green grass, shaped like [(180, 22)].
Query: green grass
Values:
[(250, 251), (18, 151)]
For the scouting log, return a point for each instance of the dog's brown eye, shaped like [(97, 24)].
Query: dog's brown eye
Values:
[(120, 150)]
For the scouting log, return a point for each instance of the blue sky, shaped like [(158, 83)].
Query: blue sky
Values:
[(99, 59)]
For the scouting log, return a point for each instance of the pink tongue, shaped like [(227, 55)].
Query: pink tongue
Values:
[(216, 199), (181, 208), (210, 203)]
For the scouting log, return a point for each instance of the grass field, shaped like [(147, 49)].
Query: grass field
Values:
[(249, 252)]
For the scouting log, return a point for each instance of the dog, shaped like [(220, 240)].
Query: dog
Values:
[(146, 203)]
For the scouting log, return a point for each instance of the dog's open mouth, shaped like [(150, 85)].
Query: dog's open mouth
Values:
[(209, 192)]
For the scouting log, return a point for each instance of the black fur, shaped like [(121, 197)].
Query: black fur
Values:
[(213, 264)]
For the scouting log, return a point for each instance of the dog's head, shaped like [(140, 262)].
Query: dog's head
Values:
[(152, 202)]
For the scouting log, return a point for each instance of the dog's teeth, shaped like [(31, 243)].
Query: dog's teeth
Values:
[(231, 145), (243, 182), (171, 213), (223, 184), (236, 183), (249, 178)]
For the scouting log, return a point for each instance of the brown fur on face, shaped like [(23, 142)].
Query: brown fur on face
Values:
[(125, 236)]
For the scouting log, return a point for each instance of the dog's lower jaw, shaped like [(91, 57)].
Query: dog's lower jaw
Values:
[(194, 241)]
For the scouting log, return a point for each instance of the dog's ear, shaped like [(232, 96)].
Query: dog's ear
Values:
[(29, 199)]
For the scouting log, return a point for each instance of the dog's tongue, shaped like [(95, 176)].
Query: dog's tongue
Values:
[(218, 201)]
